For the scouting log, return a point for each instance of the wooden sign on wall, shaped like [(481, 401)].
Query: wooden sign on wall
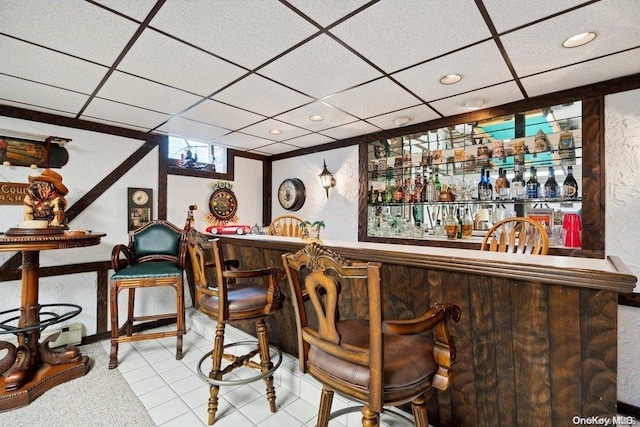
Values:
[(12, 193)]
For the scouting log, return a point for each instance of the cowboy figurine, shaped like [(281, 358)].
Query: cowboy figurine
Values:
[(45, 198)]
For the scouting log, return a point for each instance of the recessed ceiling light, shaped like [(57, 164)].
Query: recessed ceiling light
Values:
[(579, 39), (275, 132), (450, 79), (474, 104), (316, 118), (401, 121)]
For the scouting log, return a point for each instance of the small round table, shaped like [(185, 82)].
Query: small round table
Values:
[(31, 368)]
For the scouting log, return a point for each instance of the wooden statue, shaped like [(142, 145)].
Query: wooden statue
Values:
[(45, 198)]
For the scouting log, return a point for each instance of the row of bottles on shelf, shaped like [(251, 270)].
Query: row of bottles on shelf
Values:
[(432, 190)]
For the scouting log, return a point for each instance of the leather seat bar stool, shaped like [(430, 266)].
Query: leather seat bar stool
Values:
[(228, 295)]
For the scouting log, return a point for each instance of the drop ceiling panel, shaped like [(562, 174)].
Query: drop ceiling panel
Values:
[(418, 114), (332, 116), (190, 129), (276, 148), (45, 66), (480, 65), (261, 130), (507, 15), (320, 67), (310, 140), (394, 35), (247, 32), (323, 15), (125, 114), (166, 60), (582, 74), (350, 130), (539, 48), (262, 96), (39, 95), (242, 141), (138, 9), (372, 99), (142, 93), (493, 96), (221, 115), (73, 26)]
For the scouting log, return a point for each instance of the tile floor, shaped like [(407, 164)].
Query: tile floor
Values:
[(175, 395)]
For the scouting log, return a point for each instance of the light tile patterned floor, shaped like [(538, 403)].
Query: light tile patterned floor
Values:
[(175, 395)]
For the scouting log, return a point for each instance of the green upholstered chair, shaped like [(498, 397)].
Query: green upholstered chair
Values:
[(154, 257)]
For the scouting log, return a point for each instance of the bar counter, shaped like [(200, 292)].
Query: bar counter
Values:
[(537, 341)]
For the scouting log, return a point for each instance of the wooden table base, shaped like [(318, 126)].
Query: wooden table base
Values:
[(45, 378)]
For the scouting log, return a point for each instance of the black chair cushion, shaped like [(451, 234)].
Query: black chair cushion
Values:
[(158, 239), (408, 359), (149, 269)]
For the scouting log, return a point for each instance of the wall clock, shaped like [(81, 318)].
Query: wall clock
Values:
[(291, 194), (139, 207), (223, 205)]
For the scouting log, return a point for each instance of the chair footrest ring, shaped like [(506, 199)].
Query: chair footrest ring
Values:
[(274, 352), (395, 414)]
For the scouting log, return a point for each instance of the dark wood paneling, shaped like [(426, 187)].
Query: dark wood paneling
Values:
[(503, 351), (598, 311), (593, 176), (565, 350)]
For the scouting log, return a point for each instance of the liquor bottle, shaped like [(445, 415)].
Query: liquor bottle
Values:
[(429, 189), (438, 229), (532, 185), (481, 186), (437, 184), (551, 186), (398, 193), (467, 224), (388, 194), (517, 184), (372, 196), (489, 187), (417, 190), (460, 223), (502, 185), (570, 185), (408, 191)]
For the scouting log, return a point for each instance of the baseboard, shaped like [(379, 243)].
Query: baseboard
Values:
[(628, 409)]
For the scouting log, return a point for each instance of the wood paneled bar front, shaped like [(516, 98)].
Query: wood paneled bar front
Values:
[(537, 341)]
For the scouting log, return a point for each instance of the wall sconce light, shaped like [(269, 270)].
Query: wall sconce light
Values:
[(327, 179)]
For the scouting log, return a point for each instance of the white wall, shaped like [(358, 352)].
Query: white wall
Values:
[(622, 152), (340, 211)]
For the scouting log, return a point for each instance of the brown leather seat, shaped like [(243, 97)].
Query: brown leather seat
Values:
[(380, 363), (517, 235), (228, 295)]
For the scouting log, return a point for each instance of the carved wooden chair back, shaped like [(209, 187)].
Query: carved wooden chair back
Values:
[(517, 235), (286, 225), (380, 363)]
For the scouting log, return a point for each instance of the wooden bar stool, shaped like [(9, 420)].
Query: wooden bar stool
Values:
[(154, 257), (228, 295)]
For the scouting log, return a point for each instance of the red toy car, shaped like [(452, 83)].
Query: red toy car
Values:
[(228, 229)]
